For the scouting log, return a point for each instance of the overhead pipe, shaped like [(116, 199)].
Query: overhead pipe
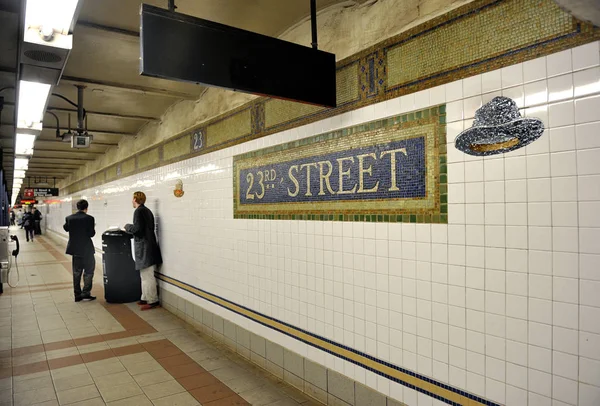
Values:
[(72, 103), (313, 23), (80, 111), (57, 123)]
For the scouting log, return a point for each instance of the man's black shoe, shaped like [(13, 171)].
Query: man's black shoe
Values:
[(78, 298), (90, 298)]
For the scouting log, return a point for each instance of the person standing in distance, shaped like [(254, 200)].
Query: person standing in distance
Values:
[(80, 227), (147, 252), (37, 219), (29, 225)]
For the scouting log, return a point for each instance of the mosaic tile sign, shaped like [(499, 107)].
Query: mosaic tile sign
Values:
[(388, 170), (477, 37)]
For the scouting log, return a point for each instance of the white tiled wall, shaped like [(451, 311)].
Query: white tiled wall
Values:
[(504, 301)]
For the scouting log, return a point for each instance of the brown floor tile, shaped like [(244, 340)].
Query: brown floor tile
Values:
[(141, 331), (17, 352), (230, 401), (211, 393), (181, 371), (161, 349), (88, 340), (5, 372), (175, 360), (5, 354), (157, 344), (97, 355), (116, 336), (197, 381), (128, 349), (59, 345), (64, 362), (30, 368)]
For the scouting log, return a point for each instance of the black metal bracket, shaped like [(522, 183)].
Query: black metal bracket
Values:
[(313, 23), (172, 6)]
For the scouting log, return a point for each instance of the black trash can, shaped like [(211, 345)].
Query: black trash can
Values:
[(122, 282)]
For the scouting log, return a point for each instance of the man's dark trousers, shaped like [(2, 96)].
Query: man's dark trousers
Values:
[(83, 266)]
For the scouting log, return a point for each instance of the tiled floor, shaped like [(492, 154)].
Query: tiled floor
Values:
[(54, 351)]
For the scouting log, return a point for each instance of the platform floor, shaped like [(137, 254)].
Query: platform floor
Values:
[(54, 351)]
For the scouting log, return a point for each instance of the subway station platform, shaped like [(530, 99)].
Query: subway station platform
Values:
[(54, 351)]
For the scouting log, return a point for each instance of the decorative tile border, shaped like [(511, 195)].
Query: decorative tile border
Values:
[(412, 189), (410, 379), (325, 385), (476, 38)]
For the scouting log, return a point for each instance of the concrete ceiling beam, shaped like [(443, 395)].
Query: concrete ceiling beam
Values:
[(103, 114), (92, 132), (97, 113), (35, 158), (129, 87), (102, 144), (107, 28), (119, 86)]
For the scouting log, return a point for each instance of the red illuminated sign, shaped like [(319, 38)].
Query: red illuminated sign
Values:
[(28, 194)]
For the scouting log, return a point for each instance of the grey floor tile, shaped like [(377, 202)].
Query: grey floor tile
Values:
[(181, 399), (78, 395)]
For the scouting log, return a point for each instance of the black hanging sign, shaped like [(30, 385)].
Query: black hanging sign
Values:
[(45, 192)]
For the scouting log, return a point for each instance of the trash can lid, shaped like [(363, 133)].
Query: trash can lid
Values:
[(116, 233)]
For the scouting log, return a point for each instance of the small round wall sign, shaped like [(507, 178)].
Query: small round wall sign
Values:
[(178, 192)]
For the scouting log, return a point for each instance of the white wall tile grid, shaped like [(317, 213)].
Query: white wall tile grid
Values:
[(503, 302)]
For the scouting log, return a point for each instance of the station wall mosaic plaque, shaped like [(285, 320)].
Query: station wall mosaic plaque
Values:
[(477, 37), (390, 170)]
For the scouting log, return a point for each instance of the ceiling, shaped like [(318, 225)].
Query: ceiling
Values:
[(105, 58)]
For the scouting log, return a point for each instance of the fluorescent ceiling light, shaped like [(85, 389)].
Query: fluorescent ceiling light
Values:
[(55, 15), (32, 102), (19, 174), (24, 144), (21, 163)]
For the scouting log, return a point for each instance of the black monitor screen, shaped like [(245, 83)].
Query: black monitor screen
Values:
[(184, 48)]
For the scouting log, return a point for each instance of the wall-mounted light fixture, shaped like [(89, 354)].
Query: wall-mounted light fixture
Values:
[(33, 97), (45, 47), (51, 21), (24, 144), (21, 164)]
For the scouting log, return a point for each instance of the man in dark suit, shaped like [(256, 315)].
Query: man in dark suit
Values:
[(37, 218), (147, 251), (80, 227)]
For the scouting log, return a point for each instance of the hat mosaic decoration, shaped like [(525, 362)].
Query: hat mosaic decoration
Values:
[(498, 128)]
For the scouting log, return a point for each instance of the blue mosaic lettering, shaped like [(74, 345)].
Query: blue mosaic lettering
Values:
[(394, 170)]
